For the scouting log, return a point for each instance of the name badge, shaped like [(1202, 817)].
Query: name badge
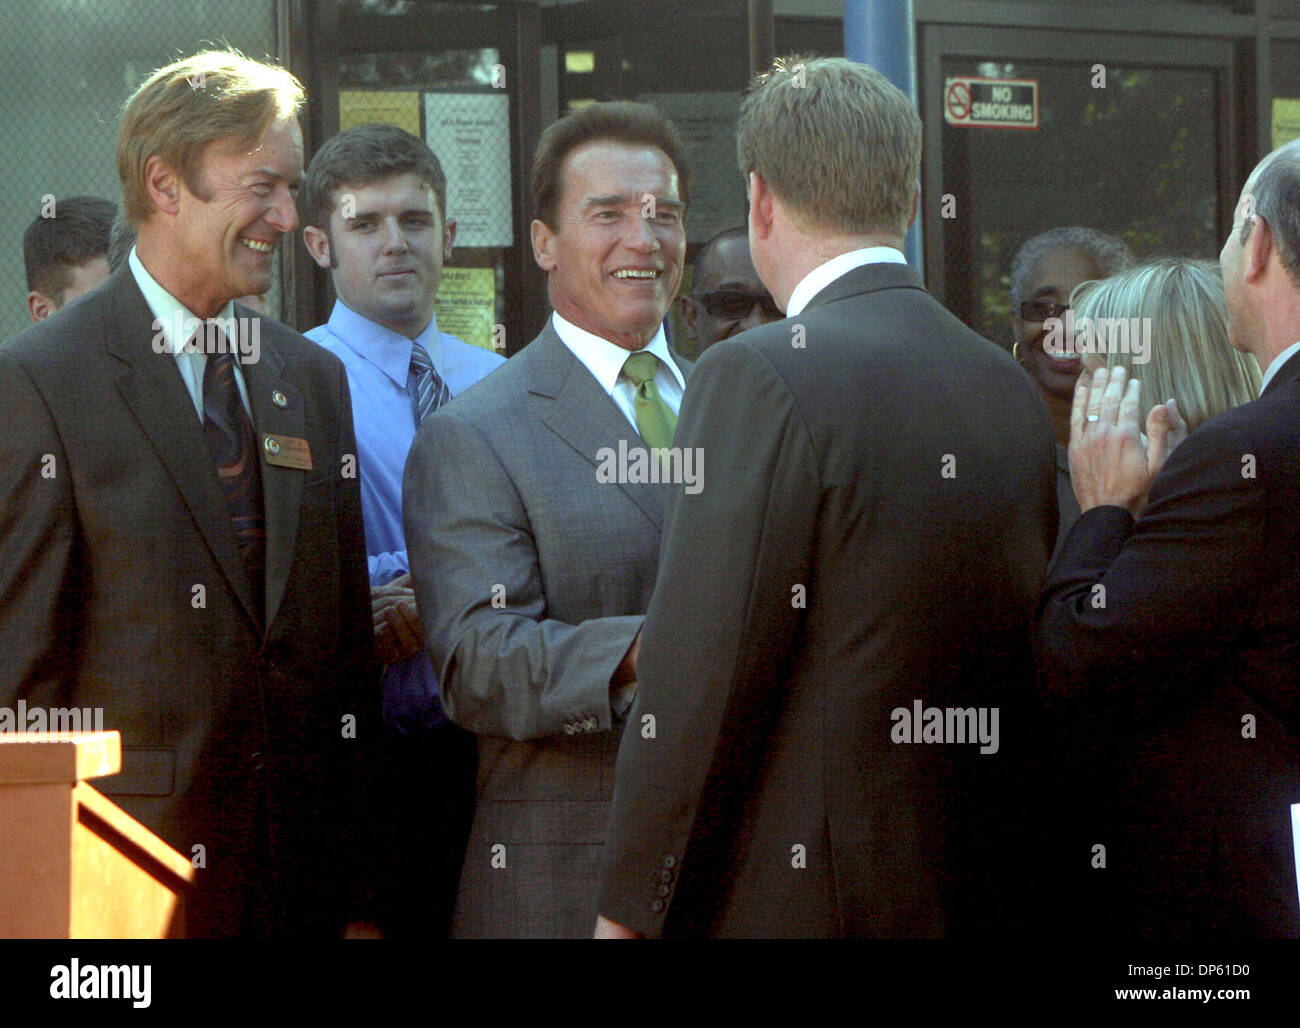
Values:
[(286, 451)]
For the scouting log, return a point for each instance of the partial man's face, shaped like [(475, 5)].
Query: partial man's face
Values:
[(1230, 263), (729, 297), (82, 279), (615, 256), (387, 244), (231, 236)]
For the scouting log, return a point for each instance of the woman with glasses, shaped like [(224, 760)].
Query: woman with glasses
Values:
[(1044, 273)]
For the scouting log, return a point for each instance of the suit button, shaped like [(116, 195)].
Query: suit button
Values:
[(663, 890), (657, 906), (670, 861), (665, 876), (256, 761)]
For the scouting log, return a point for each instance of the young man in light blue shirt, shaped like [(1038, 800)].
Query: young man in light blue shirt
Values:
[(374, 214)]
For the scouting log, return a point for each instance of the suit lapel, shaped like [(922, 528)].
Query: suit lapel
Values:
[(153, 389), (281, 487), (585, 417)]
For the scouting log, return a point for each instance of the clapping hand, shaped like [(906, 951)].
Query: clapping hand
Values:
[(398, 633), (1111, 461)]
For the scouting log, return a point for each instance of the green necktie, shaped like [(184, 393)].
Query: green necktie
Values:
[(655, 420)]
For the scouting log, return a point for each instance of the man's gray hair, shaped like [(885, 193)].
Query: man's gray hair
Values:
[(1277, 201), (1111, 254)]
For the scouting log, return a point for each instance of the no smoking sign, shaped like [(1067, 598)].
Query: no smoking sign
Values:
[(991, 103)]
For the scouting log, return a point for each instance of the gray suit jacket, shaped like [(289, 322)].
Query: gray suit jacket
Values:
[(532, 578)]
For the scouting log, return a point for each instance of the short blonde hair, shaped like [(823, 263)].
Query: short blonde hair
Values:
[(1190, 357), (836, 141), (182, 108)]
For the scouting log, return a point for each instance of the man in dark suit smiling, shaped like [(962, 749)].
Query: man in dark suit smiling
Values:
[(180, 540)]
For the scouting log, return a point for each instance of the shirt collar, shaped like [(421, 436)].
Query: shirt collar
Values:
[(824, 274), (176, 321), (387, 350), (1276, 365), (604, 359)]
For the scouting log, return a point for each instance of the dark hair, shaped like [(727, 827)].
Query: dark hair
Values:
[(1277, 201), (359, 156), (708, 249), (120, 241), (77, 233), (614, 121)]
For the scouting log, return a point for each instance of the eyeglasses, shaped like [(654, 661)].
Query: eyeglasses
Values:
[(1039, 311), (733, 305)]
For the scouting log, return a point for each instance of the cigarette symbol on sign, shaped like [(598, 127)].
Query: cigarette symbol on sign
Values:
[(958, 101)]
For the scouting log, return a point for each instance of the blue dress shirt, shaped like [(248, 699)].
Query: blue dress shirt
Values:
[(378, 362)]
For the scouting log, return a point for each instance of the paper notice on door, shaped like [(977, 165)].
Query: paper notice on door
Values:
[(466, 307), (369, 107), (470, 133)]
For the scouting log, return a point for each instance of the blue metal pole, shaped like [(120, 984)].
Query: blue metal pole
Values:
[(882, 33)]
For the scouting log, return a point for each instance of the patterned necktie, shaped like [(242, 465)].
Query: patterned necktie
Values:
[(228, 431), (655, 420), (431, 391)]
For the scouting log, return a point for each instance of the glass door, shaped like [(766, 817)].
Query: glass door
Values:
[(1028, 130)]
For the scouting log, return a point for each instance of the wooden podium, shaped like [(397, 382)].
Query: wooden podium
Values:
[(73, 865)]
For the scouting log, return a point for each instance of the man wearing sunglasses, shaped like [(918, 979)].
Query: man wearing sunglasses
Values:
[(726, 295)]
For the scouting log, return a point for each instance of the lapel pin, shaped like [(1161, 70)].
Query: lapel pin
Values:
[(279, 399)]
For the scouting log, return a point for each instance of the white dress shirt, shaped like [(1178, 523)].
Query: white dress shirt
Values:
[(1277, 363), (605, 361), (824, 274), (168, 313)]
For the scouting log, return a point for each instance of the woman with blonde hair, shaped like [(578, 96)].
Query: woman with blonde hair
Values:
[(1166, 323)]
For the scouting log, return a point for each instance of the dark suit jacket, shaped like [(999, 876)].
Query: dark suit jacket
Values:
[(532, 578), (835, 567), (1190, 661), (232, 732)]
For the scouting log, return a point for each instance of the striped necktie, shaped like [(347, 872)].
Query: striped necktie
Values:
[(431, 392), (228, 432)]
